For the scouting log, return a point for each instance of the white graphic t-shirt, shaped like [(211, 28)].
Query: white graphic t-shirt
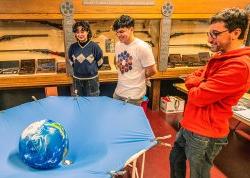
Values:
[(131, 60)]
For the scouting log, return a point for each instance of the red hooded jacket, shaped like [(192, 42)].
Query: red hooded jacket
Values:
[(214, 90)]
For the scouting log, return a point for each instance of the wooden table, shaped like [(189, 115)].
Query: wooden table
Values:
[(241, 118), (182, 87)]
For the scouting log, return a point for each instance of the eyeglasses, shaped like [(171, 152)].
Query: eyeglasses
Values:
[(215, 34)]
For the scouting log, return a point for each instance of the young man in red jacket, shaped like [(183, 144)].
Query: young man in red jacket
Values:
[(213, 91)]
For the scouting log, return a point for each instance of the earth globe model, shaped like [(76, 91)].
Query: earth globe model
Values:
[(43, 144)]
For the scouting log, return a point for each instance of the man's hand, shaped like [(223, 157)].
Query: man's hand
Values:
[(193, 81), (150, 71)]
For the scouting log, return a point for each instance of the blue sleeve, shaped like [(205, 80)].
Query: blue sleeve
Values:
[(98, 56)]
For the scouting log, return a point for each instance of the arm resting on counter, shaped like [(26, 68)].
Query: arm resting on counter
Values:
[(150, 71)]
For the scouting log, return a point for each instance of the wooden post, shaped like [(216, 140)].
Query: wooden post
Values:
[(67, 11), (156, 87), (167, 10)]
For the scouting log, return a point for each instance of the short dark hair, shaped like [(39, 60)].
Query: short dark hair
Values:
[(123, 21), (233, 18), (85, 25)]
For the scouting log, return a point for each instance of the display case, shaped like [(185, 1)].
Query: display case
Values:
[(105, 37), (188, 45), (37, 47), (31, 47)]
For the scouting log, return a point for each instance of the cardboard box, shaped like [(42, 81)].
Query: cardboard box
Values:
[(172, 104)]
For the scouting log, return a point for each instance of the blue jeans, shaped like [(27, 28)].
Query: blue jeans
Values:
[(87, 87), (200, 151)]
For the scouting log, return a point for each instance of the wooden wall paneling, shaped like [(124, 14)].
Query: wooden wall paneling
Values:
[(47, 9), (205, 6), (53, 7)]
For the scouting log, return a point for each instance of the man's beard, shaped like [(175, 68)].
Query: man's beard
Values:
[(216, 48)]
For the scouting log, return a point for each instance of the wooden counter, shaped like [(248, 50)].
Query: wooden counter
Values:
[(37, 80), (183, 88), (48, 80)]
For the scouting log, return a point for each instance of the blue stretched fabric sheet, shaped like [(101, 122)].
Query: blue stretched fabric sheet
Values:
[(103, 134)]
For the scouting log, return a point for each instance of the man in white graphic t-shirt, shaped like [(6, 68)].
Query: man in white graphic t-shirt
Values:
[(135, 62)]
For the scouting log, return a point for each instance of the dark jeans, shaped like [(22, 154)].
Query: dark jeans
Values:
[(87, 87), (200, 151)]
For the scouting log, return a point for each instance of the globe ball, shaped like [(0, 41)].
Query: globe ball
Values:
[(43, 144)]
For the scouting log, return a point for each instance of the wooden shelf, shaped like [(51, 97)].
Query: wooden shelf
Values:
[(38, 80), (174, 72), (181, 87), (42, 80), (35, 80)]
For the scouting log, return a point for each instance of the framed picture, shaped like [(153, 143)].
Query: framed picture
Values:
[(27, 66), (46, 65), (9, 67)]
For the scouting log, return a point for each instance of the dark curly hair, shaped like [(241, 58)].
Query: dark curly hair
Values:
[(85, 25), (123, 21), (233, 18)]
